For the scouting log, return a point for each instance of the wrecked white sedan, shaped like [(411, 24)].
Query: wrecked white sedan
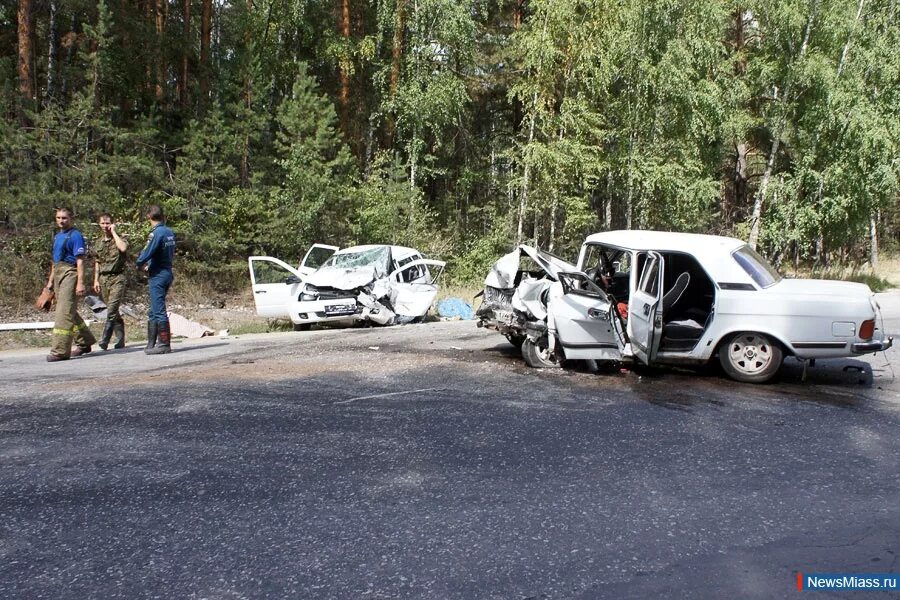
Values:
[(382, 284), (672, 298)]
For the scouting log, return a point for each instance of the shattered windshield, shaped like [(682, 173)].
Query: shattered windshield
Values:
[(379, 257)]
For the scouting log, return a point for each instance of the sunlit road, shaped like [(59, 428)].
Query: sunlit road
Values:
[(427, 461)]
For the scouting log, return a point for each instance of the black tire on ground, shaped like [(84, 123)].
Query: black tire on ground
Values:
[(539, 356), (750, 357), (302, 326), (515, 340)]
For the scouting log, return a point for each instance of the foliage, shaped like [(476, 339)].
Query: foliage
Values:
[(460, 127)]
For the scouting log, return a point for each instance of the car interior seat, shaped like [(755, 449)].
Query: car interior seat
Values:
[(675, 293), (679, 333)]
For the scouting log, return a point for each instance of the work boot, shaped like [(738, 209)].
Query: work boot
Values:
[(56, 357), (164, 345), (79, 350), (152, 332), (107, 333), (119, 330)]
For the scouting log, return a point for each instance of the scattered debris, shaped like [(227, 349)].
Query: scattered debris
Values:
[(97, 306)]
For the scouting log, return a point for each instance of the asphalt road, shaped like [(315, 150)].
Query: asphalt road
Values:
[(426, 461)]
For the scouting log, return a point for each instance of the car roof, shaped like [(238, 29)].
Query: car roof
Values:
[(713, 252), (666, 241), (397, 252)]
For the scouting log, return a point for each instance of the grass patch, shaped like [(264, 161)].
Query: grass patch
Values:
[(875, 281)]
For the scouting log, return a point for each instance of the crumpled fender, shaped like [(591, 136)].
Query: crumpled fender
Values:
[(528, 297), (373, 310)]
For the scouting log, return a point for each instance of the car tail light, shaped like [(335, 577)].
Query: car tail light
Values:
[(867, 329)]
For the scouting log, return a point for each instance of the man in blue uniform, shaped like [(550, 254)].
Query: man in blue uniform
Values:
[(67, 280), (156, 259)]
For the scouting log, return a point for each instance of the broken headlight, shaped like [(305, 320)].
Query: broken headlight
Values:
[(309, 294)]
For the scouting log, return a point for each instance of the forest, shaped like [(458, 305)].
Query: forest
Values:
[(456, 126)]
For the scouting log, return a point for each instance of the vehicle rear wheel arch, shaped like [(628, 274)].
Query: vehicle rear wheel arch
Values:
[(726, 337), (750, 355)]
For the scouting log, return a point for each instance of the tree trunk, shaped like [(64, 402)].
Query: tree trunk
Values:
[(205, 32), (25, 52), (846, 49), (70, 53), (185, 54), (343, 71), (519, 14), (248, 101), (396, 62), (52, 45), (526, 177), (873, 235), (161, 17), (756, 219)]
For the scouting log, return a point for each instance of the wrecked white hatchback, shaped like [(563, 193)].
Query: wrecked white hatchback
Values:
[(382, 284)]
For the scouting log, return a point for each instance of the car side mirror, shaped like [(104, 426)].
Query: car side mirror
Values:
[(292, 279)]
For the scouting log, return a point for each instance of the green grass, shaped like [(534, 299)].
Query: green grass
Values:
[(875, 282)]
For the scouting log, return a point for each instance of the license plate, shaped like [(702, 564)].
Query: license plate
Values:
[(335, 310)]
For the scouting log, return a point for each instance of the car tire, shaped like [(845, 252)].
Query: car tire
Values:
[(302, 326), (516, 340), (539, 356), (750, 357)]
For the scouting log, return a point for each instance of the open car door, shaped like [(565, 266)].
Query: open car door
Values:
[(644, 310), (414, 287), (586, 322), (315, 257), (275, 285)]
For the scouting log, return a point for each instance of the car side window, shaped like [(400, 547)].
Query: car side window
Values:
[(268, 272), (650, 277)]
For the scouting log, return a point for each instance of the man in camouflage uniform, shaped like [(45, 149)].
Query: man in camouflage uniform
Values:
[(109, 279), (67, 280)]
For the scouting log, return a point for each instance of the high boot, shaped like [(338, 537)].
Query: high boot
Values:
[(164, 344), (119, 330), (152, 332), (107, 333)]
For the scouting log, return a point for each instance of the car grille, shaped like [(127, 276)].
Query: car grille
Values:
[(327, 293)]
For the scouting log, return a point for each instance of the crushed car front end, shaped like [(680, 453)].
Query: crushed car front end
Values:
[(514, 300)]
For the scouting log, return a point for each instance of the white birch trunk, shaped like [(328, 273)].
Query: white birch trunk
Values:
[(756, 218)]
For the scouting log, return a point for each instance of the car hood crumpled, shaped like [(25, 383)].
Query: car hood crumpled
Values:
[(503, 274), (342, 278)]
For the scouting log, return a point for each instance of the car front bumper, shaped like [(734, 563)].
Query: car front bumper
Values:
[(317, 311)]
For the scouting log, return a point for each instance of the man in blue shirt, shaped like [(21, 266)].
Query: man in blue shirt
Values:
[(67, 281), (156, 259)]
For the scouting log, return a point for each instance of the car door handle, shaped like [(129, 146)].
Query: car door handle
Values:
[(646, 310), (260, 292)]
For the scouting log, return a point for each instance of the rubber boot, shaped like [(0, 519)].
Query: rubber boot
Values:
[(164, 344), (152, 332), (119, 330), (107, 333)]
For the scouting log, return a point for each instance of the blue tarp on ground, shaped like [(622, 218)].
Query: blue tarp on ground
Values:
[(455, 307)]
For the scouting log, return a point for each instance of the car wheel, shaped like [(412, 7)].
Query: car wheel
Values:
[(539, 356), (302, 326), (750, 357), (515, 340)]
